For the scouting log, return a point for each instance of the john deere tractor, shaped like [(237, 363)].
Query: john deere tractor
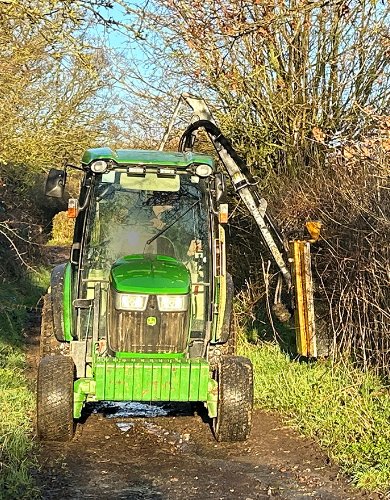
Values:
[(142, 310)]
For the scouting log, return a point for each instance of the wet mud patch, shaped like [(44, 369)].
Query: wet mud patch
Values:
[(119, 409)]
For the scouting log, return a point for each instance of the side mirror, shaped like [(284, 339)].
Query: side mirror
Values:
[(55, 183), (219, 186)]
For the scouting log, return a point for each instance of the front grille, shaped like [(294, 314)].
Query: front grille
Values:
[(129, 331)]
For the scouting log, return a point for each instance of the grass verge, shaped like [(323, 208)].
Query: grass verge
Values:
[(16, 398), (345, 410)]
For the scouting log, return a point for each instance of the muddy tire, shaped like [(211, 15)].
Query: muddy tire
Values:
[(49, 345), (55, 398), (235, 399)]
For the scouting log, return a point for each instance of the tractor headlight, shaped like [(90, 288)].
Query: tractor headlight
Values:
[(130, 302), (203, 170), (99, 167), (172, 303)]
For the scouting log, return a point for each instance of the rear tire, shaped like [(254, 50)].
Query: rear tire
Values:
[(55, 398), (235, 399)]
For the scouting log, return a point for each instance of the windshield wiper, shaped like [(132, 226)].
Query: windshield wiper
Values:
[(162, 231), (105, 192)]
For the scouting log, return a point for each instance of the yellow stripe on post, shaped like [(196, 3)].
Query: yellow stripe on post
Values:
[(304, 310), (221, 281)]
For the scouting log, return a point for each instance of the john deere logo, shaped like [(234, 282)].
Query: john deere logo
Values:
[(151, 321)]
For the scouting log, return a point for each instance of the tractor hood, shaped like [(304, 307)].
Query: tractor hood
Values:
[(151, 274)]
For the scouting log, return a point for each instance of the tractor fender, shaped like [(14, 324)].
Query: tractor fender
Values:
[(60, 285)]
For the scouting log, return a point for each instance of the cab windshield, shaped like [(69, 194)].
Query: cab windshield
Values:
[(147, 215)]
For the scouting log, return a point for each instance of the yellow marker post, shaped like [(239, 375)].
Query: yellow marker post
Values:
[(304, 311)]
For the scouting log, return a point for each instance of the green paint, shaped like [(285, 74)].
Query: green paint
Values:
[(100, 375), (98, 154), (83, 388), (165, 382), (128, 379), (185, 382), (139, 374), (151, 321), (109, 389), (140, 157), (152, 379), (151, 274), (196, 374), (175, 383), (157, 379), (119, 390), (145, 385), (148, 380), (67, 304), (147, 355)]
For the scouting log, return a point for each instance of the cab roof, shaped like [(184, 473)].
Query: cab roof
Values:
[(123, 157)]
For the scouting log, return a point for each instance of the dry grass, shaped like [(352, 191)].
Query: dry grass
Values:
[(62, 232)]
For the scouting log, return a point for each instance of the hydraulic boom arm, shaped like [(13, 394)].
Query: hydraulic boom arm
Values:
[(236, 169)]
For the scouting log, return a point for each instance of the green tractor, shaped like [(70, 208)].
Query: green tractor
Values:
[(142, 310)]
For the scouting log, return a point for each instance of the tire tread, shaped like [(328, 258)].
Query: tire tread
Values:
[(235, 399), (55, 398)]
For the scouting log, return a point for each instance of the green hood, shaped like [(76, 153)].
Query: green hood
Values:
[(151, 274)]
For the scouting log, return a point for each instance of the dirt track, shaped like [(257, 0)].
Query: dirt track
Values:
[(132, 454), (177, 458)]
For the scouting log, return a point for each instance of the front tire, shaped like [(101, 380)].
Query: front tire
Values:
[(55, 398), (234, 375)]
